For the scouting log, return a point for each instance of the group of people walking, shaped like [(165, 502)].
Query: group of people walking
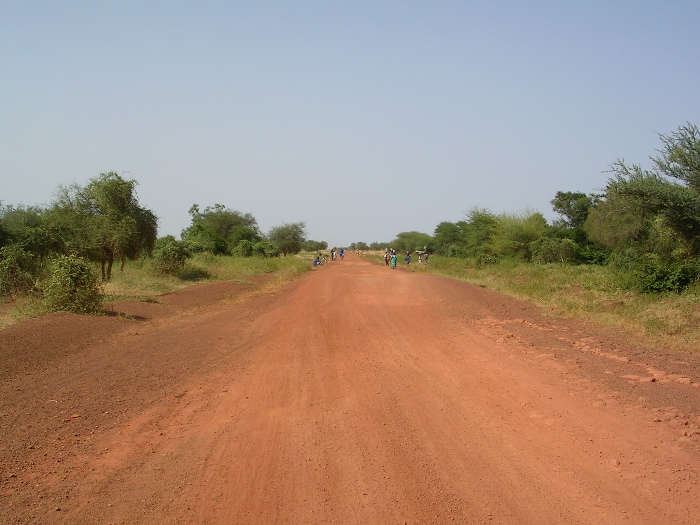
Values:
[(320, 259), (391, 257)]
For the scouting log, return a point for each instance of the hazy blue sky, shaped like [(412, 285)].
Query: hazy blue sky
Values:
[(362, 118)]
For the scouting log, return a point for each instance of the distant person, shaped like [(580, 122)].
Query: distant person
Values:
[(408, 258), (394, 258), (386, 258)]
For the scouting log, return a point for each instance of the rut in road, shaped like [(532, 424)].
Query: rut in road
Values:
[(373, 396)]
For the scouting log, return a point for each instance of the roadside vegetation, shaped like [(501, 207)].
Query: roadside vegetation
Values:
[(629, 256), (592, 293), (140, 282), (72, 255)]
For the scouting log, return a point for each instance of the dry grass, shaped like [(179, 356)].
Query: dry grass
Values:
[(138, 283), (590, 293)]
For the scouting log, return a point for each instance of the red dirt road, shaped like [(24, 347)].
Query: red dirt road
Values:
[(355, 395)]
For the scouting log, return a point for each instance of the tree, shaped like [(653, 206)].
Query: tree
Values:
[(514, 232), (448, 236), (619, 224), (219, 229), (468, 238), (670, 191), (478, 230), (4, 236), (30, 228), (412, 241), (288, 237), (315, 246), (573, 207), (105, 220)]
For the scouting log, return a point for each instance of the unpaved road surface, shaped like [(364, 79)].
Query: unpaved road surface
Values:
[(355, 395)]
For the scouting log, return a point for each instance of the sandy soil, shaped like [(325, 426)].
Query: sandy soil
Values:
[(355, 395)]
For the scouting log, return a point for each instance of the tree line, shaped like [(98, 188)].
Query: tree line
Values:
[(645, 222), (103, 223)]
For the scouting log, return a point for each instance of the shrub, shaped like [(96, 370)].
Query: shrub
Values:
[(18, 269), (73, 286), (651, 274), (592, 254), (169, 255), (486, 259), (266, 249), (513, 233), (550, 250), (244, 248)]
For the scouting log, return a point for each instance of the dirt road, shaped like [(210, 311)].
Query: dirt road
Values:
[(355, 395)]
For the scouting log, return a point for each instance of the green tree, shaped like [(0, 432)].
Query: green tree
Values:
[(105, 219), (514, 233), (671, 190), (219, 229), (18, 270), (412, 241), (620, 224), (573, 207), (288, 237), (315, 246), (479, 227), (4, 235), (32, 228), (449, 238)]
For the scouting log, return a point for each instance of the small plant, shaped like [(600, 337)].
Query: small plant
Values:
[(485, 259), (73, 286)]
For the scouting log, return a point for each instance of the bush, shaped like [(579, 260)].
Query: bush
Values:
[(486, 259), (244, 248), (592, 254), (169, 255), (73, 286), (651, 274), (550, 250), (18, 270), (266, 249)]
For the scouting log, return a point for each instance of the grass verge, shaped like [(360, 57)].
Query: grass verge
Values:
[(589, 293), (139, 283)]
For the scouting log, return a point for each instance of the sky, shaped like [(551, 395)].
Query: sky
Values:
[(363, 118)]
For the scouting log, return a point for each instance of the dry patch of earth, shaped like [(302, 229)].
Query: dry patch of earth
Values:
[(356, 394)]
